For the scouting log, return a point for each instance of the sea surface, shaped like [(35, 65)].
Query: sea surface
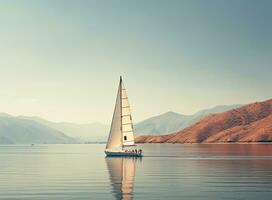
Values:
[(167, 171)]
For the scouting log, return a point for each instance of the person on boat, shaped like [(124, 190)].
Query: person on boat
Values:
[(140, 151), (136, 151)]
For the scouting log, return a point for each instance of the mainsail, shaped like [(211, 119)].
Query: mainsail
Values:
[(121, 132), (127, 125)]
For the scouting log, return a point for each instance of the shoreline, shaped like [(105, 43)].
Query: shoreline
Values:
[(226, 143)]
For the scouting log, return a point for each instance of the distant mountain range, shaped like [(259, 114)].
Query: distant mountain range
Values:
[(249, 123), (24, 129), (92, 132), (171, 122)]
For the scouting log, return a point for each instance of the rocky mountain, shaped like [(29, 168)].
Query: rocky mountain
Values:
[(249, 123), (23, 131), (171, 122)]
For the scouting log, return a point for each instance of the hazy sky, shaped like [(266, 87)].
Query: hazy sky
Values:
[(61, 60)]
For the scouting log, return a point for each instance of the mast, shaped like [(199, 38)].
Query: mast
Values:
[(121, 113)]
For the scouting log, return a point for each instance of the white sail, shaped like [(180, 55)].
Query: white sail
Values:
[(127, 125), (115, 136), (121, 132)]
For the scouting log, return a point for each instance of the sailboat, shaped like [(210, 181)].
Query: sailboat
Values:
[(121, 136)]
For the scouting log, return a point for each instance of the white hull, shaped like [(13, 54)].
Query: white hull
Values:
[(122, 153)]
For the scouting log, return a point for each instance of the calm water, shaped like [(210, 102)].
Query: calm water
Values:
[(233, 171)]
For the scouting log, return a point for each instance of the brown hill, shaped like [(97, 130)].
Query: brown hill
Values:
[(249, 123)]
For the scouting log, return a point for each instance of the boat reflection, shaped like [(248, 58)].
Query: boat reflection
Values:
[(122, 173)]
